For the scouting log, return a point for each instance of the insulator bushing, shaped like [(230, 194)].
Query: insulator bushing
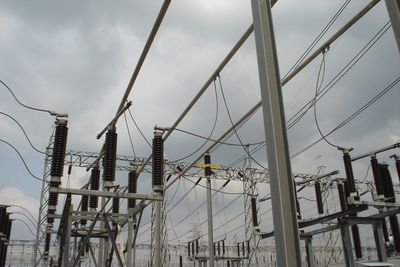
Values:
[(53, 200), (94, 185), (50, 219), (115, 205), (254, 211), (377, 176), (387, 182), (59, 148), (110, 156), (357, 242), (318, 194), (207, 163), (398, 166), (3, 213), (297, 200), (132, 187), (391, 198), (342, 195), (349, 172), (158, 159), (47, 244), (84, 207)]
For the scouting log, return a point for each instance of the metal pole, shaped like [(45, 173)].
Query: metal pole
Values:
[(380, 246), (210, 224), (67, 238), (157, 234), (211, 255), (129, 262), (100, 259), (393, 8), (347, 248), (282, 195), (309, 252)]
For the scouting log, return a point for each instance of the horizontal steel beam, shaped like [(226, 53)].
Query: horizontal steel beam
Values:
[(105, 194), (374, 152), (333, 216), (361, 220)]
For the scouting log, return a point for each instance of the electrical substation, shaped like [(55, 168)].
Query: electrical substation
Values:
[(128, 212)]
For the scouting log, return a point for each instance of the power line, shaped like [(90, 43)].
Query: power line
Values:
[(360, 54), (211, 133), (234, 129), (23, 130), (318, 38), (138, 128), (129, 135), (301, 112), (317, 90), (27, 217), (352, 116), (21, 207), (23, 160), (215, 190), (53, 113), (30, 230)]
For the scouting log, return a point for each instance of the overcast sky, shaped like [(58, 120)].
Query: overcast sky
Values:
[(77, 57)]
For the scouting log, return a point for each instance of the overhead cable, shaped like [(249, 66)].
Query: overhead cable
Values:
[(23, 160), (52, 113)]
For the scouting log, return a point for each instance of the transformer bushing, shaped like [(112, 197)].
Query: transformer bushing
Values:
[(57, 164), (94, 185), (158, 161), (110, 157), (132, 187)]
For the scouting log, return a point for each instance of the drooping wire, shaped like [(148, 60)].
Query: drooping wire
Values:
[(23, 130), (201, 205), (297, 117), (129, 135), (215, 190), (317, 91), (352, 116), (360, 54), (234, 129), (318, 38), (21, 207), (211, 132), (138, 128), (34, 223), (23, 160), (22, 104), (213, 140), (27, 226), (301, 112)]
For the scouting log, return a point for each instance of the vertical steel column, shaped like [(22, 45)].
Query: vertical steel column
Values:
[(129, 243), (211, 254), (101, 255), (67, 238), (393, 8), (347, 248), (283, 200), (157, 235), (309, 252), (380, 246)]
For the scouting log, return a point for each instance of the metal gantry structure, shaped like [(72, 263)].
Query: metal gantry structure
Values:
[(89, 231)]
